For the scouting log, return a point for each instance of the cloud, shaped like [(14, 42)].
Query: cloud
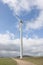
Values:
[(37, 23), (19, 5), (10, 38), (5, 38), (33, 47), (40, 4), (8, 53), (30, 46)]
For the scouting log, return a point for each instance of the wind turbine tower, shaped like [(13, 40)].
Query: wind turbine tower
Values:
[(21, 40)]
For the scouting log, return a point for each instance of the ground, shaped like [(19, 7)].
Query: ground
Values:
[(22, 62), (36, 60), (7, 61)]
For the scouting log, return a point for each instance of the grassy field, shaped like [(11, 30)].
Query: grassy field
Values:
[(7, 61), (35, 60)]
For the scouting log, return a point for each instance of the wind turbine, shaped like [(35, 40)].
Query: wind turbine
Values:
[(21, 39)]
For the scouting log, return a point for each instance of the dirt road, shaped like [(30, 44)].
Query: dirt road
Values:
[(22, 62)]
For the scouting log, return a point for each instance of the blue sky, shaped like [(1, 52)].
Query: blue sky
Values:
[(31, 13), (8, 21)]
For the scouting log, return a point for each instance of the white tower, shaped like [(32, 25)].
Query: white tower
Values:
[(21, 41)]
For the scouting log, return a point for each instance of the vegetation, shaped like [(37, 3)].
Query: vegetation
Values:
[(35, 60), (7, 61)]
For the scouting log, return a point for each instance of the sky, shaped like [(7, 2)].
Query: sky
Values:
[(31, 14)]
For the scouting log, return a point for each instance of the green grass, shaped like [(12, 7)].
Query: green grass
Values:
[(35, 60), (7, 61)]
